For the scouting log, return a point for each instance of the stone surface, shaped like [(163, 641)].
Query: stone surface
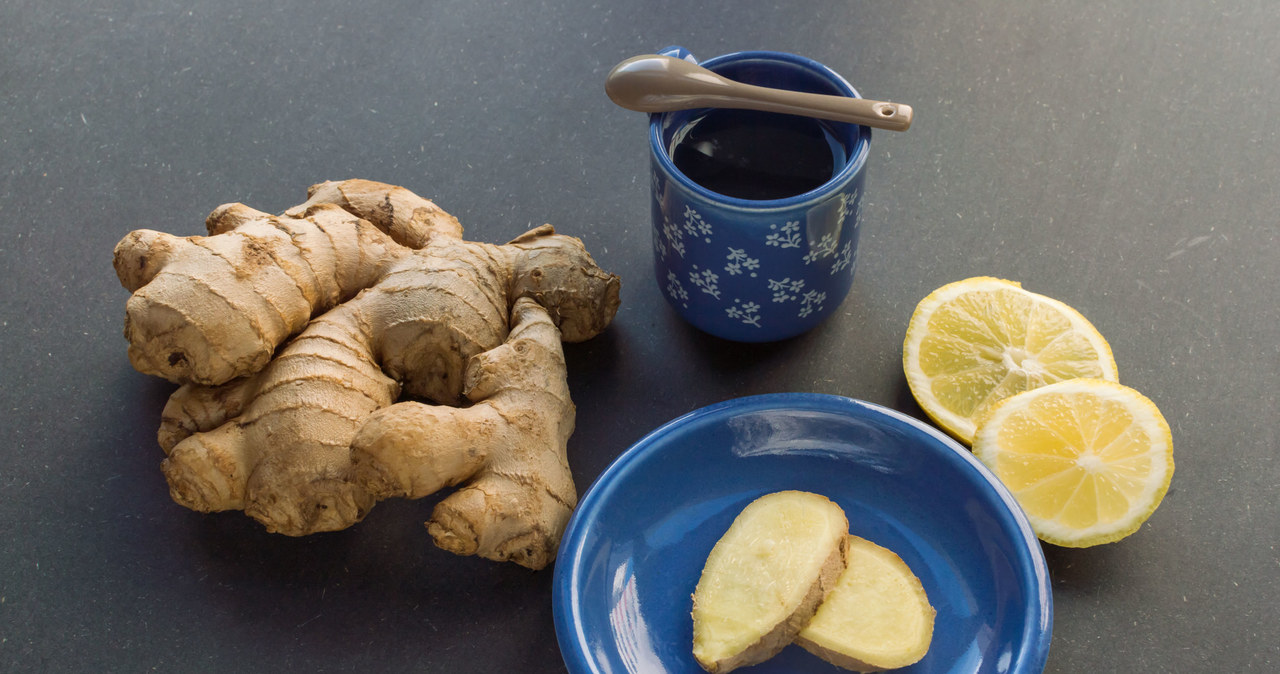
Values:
[(1122, 157)]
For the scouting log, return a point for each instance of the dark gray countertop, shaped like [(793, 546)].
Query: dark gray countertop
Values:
[(1122, 157)]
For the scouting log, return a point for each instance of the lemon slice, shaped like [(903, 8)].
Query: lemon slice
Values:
[(1089, 460), (973, 343)]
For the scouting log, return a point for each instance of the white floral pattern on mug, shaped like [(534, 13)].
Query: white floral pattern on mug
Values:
[(786, 237), (695, 225), (747, 312), (741, 263), (833, 249)]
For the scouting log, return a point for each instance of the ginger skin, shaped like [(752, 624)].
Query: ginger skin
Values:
[(518, 427), (293, 337)]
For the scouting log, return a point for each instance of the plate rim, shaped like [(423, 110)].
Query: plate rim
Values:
[(1037, 634)]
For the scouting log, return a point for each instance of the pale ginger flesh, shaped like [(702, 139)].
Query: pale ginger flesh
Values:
[(877, 618), (293, 336), (765, 578)]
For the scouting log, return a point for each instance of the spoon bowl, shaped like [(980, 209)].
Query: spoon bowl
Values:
[(656, 83)]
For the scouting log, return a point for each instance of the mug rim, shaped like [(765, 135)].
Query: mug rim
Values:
[(857, 157)]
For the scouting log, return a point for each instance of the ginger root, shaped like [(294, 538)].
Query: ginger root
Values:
[(293, 337)]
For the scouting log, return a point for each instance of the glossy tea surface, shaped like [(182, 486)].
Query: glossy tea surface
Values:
[(757, 155)]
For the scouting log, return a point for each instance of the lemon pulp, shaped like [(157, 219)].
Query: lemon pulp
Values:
[(972, 343), (1088, 460)]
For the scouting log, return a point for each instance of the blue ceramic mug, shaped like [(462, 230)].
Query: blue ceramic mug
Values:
[(765, 266)]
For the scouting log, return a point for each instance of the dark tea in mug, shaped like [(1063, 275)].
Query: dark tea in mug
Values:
[(757, 155)]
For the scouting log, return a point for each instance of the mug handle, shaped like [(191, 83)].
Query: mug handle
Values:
[(675, 51)]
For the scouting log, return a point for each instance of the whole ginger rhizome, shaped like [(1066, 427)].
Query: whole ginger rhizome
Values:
[(294, 336)]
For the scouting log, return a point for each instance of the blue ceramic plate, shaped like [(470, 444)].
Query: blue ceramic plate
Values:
[(635, 547)]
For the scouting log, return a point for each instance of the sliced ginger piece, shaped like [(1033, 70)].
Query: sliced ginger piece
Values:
[(877, 617), (765, 578)]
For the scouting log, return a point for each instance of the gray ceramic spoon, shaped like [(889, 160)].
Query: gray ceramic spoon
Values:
[(653, 83)]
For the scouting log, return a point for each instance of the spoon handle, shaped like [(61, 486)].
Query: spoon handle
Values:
[(877, 114)]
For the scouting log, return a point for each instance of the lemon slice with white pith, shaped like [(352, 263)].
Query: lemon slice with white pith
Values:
[(973, 343), (1088, 460)]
